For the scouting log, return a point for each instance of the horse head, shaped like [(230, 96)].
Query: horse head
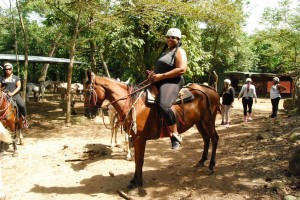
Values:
[(94, 95)]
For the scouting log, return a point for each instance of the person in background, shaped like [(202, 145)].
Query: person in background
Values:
[(248, 92), (275, 96), (12, 85), (227, 102), (167, 77)]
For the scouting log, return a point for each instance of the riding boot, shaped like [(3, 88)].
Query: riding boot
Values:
[(176, 139)]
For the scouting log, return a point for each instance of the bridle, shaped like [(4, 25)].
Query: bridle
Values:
[(128, 104), (4, 113)]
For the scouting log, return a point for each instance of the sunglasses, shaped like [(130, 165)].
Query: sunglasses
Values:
[(171, 37), (8, 69)]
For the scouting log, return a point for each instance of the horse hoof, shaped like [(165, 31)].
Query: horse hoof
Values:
[(199, 165), (2, 195), (21, 143), (211, 172), (128, 158), (15, 155), (131, 186)]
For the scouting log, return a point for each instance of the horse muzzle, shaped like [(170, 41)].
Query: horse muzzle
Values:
[(90, 113)]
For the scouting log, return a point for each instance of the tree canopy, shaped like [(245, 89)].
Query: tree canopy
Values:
[(123, 38)]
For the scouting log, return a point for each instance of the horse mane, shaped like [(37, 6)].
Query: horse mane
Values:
[(134, 95)]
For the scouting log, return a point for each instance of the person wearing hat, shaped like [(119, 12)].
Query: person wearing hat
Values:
[(227, 102), (12, 84), (248, 92), (275, 96), (167, 77)]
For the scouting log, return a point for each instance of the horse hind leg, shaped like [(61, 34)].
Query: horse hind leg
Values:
[(206, 140), (210, 131)]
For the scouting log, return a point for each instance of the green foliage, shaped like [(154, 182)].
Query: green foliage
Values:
[(279, 45), (130, 36)]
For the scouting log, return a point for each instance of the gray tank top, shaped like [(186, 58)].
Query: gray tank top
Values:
[(165, 62)]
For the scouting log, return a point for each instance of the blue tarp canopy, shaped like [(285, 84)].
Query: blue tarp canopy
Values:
[(35, 59)]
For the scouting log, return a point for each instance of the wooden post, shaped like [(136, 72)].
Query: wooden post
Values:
[(215, 81)]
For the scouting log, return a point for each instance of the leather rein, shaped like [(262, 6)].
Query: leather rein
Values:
[(127, 97), (4, 112)]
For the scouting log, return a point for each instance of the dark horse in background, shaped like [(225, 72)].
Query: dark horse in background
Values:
[(38, 90), (141, 120), (11, 119)]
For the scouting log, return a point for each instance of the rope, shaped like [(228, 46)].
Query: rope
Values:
[(133, 125)]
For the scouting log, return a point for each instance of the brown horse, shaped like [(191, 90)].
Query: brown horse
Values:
[(141, 119), (10, 118)]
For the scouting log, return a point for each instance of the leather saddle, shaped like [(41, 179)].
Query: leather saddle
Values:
[(184, 95)]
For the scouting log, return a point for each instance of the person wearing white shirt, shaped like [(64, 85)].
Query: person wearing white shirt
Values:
[(275, 96), (248, 92)]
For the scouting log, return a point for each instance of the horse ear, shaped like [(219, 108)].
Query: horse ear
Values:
[(128, 81), (88, 73)]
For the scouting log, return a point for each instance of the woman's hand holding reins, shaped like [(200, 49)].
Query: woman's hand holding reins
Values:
[(155, 77)]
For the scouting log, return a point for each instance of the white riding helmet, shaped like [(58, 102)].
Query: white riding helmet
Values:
[(174, 32), (248, 80), (8, 64), (276, 79), (227, 81)]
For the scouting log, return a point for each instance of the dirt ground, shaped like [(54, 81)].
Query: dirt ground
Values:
[(76, 162)]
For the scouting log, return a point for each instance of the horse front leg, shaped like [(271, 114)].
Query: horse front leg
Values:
[(14, 143), (1, 148), (111, 118), (128, 155), (139, 152), (20, 137)]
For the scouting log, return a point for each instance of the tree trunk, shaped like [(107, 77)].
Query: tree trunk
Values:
[(104, 64), (26, 50), (297, 93), (216, 79), (15, 38), (70, 71), (50, 54), (93, 56)]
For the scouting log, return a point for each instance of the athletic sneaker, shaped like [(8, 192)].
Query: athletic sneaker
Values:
[(175, 143), (25, 124)]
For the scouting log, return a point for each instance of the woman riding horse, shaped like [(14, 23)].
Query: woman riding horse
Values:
[(12, 85), (167, 75)]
